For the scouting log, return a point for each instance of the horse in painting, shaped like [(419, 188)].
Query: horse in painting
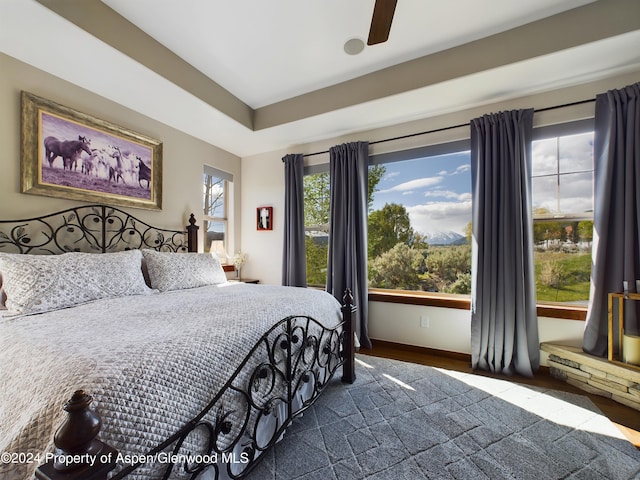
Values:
[(69, 150), (144, 172), (116, 171)]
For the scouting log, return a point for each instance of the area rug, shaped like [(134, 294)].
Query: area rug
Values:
[(401, 421)]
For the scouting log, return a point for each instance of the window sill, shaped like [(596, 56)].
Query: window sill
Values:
[(463, 302)]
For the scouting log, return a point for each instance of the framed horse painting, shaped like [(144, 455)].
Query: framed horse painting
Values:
[(69, 154)]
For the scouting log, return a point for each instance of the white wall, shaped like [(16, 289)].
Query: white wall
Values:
[(183, 155), (264, 247), (450, 329), (263, 183)]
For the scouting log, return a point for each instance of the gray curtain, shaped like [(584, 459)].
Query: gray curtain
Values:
[(294, 260), (348, 181), (616, 211), (504, 326)]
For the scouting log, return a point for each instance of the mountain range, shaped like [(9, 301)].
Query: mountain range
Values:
[(445, 238)]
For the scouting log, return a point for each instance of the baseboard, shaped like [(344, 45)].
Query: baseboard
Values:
[(418, 349), (466, 357)]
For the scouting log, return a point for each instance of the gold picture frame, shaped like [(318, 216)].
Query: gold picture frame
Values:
[(69, 154)]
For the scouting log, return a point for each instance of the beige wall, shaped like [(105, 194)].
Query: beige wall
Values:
[(183, 155), (449, 328)]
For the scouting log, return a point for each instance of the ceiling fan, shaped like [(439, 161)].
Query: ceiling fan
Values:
[(381, 22)]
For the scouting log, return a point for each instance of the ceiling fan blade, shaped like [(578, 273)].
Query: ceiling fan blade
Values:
[(381, 22)]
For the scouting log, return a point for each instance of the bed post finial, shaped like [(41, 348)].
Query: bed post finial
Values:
[(76, 438), (349, 347), (192, 234)]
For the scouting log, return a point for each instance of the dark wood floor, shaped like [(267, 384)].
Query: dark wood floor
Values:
[(625, 418)]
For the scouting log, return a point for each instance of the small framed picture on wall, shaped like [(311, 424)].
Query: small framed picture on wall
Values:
[(264, 218)]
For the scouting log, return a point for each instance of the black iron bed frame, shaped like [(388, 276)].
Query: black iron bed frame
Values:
[(300, 353)]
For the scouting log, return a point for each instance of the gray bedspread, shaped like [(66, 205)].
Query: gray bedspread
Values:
[(150, 362)]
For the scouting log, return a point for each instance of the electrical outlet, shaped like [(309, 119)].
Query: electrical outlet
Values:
[(424, 321)]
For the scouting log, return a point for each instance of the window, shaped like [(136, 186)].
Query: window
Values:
[(419, 231), (562, 181), (216, 185)]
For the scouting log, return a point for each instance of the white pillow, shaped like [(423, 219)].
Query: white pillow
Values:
[(178, 271), (41, 283)]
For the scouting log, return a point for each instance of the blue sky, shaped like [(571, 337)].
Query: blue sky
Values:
[(436, 191)]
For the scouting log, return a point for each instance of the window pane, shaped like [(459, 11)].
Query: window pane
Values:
[(316, 222), (216, 230), (563, 261), (576, 153), (545, 195), (563, 175), (214, 200), (419, 219), (545, 155), (563, 206), (576, 193), (214, 196)]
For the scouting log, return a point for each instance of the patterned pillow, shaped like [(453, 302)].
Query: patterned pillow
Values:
[(41, 283), (178, 271)]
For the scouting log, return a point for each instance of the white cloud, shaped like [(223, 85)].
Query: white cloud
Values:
[(462, 169), (440, 217), (413, 184), (448, 194)]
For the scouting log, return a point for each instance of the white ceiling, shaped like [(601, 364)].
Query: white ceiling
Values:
[(269, 51)]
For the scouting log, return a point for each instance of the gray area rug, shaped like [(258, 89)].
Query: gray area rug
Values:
[(405, 421)]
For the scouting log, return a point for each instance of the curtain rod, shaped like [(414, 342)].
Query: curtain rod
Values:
[(442, 129)]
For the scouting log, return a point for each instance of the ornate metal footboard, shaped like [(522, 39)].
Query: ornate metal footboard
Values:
[(282, 376)]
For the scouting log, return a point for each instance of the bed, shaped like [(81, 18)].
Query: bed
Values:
[(167, 369)]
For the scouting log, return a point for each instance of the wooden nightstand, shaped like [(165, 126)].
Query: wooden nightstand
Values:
[(245, 280)]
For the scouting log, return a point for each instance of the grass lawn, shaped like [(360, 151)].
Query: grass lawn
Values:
[(577, 270)]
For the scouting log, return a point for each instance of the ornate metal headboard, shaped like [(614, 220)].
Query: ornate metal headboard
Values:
[(93, 229)]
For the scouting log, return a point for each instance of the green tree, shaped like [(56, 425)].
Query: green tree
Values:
[(468, 232), (316, 261), (547, 232), (387, 227), (585, 230), (419, 241), (446, 265), (398, 268), (316, 199), (461, 285), (376, 172)]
